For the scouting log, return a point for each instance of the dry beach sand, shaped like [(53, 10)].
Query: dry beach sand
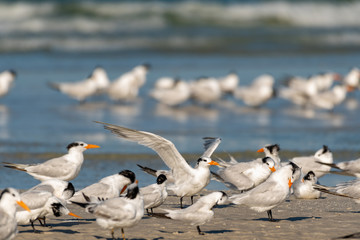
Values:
[(330, 217)]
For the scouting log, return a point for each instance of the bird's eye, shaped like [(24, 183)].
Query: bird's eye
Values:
[(81, 144), (13, 195)]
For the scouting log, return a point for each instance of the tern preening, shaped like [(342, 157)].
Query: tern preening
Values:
[(108, 187), (9, 197), (66, 167), (188, 181), (199, 213), (243, 176), (119, 212), (270, 193), (311, 163)]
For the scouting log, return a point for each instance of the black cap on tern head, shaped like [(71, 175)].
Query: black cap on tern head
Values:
[(274, 147), (309, 175), (6, 190), (294, 166), (132, 191), (73, 144), (265, 159), (56, 209), (160, 179), (129, 174), (325, 149)]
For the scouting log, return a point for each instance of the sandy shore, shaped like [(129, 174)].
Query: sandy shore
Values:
[(329, 217)]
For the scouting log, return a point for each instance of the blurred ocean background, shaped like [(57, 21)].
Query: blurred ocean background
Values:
[(62, 41)]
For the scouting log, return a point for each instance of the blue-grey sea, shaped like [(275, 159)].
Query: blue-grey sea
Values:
[(62, 41)]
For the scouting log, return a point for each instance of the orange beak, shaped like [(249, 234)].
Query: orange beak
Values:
[(350, 88), (302, 180), (273, 169), (123, 189), (74, 215), (23, 205), (260, 150), (137, 181), (214, 163), (91, 146), (290, 183)]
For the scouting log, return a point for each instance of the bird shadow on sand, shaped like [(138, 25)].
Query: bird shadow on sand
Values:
[(72, 223), (291, 219), (350, 236), (119, 237)]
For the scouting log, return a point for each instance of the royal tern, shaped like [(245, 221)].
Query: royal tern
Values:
[(61, 189), (9, 197), (126, 87), (119, 212), (352, 78), (66, 167), (177, 94), (42, 204), (258, 93), (199, 213), (349, 189), (272, 151), (304, 189), (188, 181), (310, 163), (243, 176), (347, 168), (155, 194), (6, 80), (328, 100), (84, 89), (205, 90), (229, 83), (108, 187), (324, 81), (270, 193)]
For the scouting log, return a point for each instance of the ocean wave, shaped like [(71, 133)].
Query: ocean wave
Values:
[(109, 25)]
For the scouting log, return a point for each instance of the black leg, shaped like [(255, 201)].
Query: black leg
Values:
[(123, 233), (270, 216), (33, 227), (152, 211), (112, 234), (192, 200), (199, 231), (181, 198)]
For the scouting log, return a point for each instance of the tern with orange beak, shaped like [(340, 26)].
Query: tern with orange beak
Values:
[(270, 193), (108, 187), (272, 151), (243, 176), (66, 167), (9, 197), (188, 181), (41, 204)]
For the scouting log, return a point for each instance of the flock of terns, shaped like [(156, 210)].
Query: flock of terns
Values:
[(322, 91), (117, 202)]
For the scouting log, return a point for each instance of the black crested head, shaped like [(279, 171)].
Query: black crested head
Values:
[(71, 145), (200, 160), (160, 179), (128, 174), (273, 148), (13, 72), (294, 167), (309, 175), (6, 190), (325, 149), (56, 209), (132, 191), (70, 188), (265, 159), (147, 66), (223, 194)]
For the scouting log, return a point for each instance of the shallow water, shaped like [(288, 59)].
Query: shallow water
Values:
[(35, 120)]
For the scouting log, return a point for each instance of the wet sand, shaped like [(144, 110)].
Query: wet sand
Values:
[(329, 217)]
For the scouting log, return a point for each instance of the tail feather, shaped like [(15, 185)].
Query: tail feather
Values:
[(20, 167), (327, 190), (329, 164), (148, 170)]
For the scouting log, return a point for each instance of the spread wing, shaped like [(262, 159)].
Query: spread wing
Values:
[(163, 147), (210, 144)]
